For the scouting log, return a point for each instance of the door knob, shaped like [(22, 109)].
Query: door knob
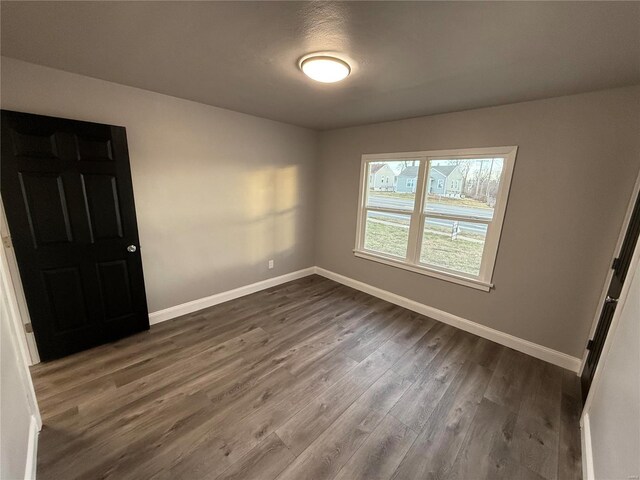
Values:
[(131, 248), (610, 300)]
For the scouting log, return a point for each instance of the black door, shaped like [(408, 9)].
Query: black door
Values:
[(66, 188), (620, 269)]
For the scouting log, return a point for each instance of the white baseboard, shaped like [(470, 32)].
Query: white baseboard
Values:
[(199, 304), (538, 351), (32, 450), (587, 452)]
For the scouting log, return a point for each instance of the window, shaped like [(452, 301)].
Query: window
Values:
[(448, 230)]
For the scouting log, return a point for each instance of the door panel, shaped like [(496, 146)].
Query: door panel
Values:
[(115, 289), (43, 145), (66, 297), (101, 198), (45, 203), (66, 187), (92, 149)]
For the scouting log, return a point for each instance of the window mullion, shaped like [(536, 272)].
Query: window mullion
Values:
[(388, 210), (414, 229), (460, 218), (421, 225)]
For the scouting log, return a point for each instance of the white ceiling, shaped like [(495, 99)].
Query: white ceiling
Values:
[(408, 59)]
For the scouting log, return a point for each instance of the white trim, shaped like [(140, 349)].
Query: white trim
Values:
[(32, 450), (616, 253), (395, 211), (587, 449), (494, 230), (416, 229), (362, 204), (16, 325), (469, 219), (533, 349), (415, 241), (27, 340), (459, 152), (448, 277), (199, 304), (538, 351)]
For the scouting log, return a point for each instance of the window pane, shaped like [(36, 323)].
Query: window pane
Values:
[(387, 233), (393, 184), (464, 186), (456, 246)]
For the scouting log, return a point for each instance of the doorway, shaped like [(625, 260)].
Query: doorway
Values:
[(620, 269)]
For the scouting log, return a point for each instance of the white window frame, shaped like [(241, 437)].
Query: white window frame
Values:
[(483, 281)]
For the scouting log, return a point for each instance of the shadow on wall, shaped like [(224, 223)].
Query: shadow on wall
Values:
[(272, 203), (246, 216)]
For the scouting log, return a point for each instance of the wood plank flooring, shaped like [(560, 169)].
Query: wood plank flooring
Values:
[(306, 380)]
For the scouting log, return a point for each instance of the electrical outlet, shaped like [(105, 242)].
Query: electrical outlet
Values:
[(270, 264)]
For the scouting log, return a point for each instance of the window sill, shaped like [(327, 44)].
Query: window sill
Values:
[(448, 277)]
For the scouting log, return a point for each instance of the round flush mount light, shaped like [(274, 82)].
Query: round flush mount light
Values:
[(324, 68)]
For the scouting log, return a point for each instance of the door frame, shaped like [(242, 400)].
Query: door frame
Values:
[(27, 340), (585, 426), (17, 330), (607, 281), (10, 306)]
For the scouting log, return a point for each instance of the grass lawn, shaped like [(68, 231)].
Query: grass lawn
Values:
[(438, 249), (386, 238), (461, 255), (460, 202)]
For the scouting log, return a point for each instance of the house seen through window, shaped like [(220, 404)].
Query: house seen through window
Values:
[(437, 213)]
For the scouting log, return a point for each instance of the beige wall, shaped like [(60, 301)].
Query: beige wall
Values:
[(217, 193), (577, 161)]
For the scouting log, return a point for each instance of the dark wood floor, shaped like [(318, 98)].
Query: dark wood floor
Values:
[(307, 380)]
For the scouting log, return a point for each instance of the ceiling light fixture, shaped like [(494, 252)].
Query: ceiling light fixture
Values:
[(324, 68)]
